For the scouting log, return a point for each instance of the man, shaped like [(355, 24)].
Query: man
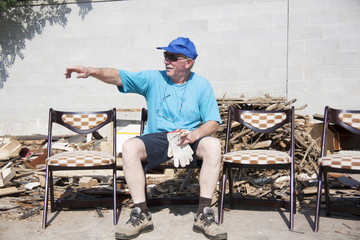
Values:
[(176, 99)]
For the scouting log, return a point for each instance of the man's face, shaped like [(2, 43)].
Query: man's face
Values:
[(176, 64)]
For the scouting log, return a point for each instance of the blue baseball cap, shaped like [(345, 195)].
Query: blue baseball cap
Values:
[(183, 46)]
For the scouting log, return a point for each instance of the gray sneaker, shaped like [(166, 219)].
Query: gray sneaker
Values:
[(205, 223), (137, 224)]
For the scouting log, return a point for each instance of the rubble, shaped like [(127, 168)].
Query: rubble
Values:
[(22, 178), (23, 167), (275, 184)]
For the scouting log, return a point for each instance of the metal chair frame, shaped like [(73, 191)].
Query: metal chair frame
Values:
[(56, 117), (235, 115), (332, 121)]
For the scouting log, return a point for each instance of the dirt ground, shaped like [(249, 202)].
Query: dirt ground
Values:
[(175, 222)]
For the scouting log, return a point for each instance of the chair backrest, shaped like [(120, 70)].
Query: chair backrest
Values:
[(261, 121), (347, 120), (82, 122)]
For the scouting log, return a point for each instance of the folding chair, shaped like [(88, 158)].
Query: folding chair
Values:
[(344, 159), (81, 123), (169, 164), (264, 122)]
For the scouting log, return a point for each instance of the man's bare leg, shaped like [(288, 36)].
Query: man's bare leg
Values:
[(209, 150), (140, 219), (133, 153)]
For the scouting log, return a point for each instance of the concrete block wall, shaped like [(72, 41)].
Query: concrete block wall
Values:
[(303, 49), (324, 56)]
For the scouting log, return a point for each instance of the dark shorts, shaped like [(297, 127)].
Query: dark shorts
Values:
[(156, 145)]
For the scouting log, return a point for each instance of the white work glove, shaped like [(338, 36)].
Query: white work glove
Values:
[(182, 154)]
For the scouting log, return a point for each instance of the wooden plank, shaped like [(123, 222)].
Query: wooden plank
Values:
[(10, 191)]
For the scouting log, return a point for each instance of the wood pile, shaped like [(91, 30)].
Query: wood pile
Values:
[(307, 149), (275, 183), (22, 166)]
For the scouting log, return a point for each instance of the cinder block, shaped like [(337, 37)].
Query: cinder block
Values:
[(341, 58), (305, 33), (351, 44), (193, 26), (258, 21), (304, 6), (296, 60), (226, 24), (241, 8), (269, 8), (323, 45), (208, 13), (322, 72), (350, 72), (295, 74), (349, 16), (322, 18), (341, 31), (341, 5)]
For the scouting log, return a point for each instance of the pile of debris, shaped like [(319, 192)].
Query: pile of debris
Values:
[(22, 166), (22, 178), (275, 183), (21, 186), (307, 149)]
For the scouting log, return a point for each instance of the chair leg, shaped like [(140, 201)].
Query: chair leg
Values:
[(292, 200), (114, 196), (327, 193), (222, 196), (231, 192), (44, 222), (318, 201), (51, 189), (146, 193)]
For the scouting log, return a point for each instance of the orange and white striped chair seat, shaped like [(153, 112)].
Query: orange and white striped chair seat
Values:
[(351, 119), (344, 160), (263, 120), (257, 157), (84, 121), (81, 159)]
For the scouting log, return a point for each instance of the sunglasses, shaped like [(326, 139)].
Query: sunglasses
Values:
[(173, 57)]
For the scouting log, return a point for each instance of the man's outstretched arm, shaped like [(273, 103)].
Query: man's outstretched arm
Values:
[(107, 75)]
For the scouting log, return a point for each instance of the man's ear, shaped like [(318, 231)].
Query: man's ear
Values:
[(189, 62)]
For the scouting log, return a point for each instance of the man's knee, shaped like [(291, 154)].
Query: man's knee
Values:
[(133, 148), (210, 143), (209, 147)]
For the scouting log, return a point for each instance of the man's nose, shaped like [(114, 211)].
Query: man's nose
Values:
[(166, 60)]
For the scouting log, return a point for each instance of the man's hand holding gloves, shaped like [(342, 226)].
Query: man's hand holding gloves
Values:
[(182, 154)]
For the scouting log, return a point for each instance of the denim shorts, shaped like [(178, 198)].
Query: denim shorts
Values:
[(156, 145)]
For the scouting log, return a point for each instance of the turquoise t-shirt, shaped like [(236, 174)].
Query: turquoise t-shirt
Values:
[(171, 106)]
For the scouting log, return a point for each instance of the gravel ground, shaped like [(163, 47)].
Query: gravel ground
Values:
[(175, 222)]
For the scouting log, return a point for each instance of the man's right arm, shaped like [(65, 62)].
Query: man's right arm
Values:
[(107, 75)]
